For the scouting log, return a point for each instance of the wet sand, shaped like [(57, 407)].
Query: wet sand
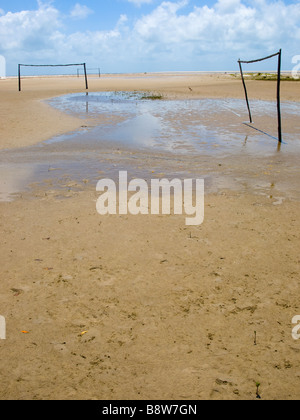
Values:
[(144, 307)]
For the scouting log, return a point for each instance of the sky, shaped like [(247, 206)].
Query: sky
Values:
[(121, 36)]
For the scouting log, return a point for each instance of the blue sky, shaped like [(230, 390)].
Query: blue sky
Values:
[(148, 35)]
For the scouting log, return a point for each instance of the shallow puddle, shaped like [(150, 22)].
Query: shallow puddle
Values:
[(143, 134), (206, 126)]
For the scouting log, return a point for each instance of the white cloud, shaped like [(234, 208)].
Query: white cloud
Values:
[(223, 31), (169, 37), (28, 30), (227, 25), (80, 11)]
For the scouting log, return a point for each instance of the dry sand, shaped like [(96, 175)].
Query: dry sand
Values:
[(143, 307)]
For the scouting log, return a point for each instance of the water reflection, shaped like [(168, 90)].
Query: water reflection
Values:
[(184, 131), (142, 130), (197, 126), (279, 146), (87, 103), (261, 131)]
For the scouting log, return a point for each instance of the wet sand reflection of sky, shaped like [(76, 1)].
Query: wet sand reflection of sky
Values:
[(197, 126), (130, 131)]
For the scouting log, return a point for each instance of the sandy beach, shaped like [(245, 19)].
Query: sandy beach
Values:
[(27, 120), (144, 307)]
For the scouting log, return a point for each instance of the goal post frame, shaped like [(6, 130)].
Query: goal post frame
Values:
[(52, 65), (279, 54)]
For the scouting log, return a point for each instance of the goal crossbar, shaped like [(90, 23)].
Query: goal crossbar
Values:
[(278, 88), (52, 65)]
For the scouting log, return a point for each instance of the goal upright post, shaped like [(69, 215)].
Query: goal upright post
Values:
[(85, 75), (19, 76), (278, 97)]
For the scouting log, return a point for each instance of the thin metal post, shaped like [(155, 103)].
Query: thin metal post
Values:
[(278, 98), (245, 89), (85, 75), (19, 76)]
